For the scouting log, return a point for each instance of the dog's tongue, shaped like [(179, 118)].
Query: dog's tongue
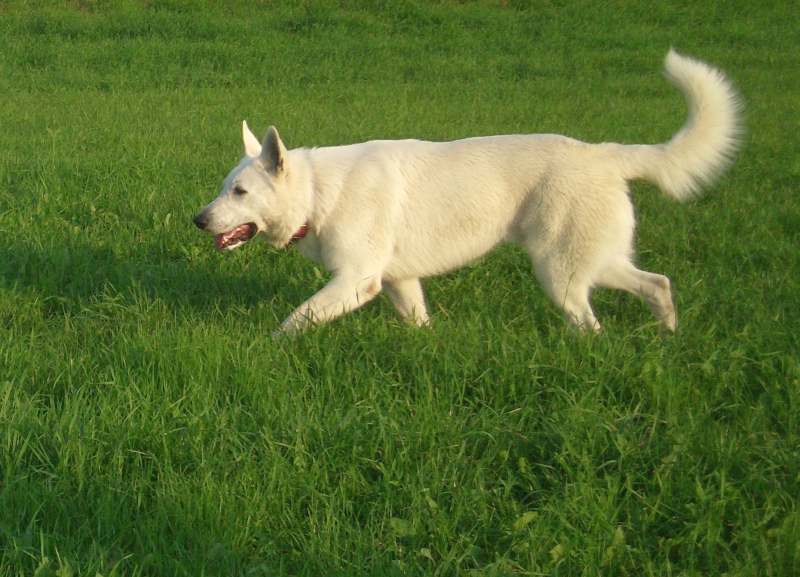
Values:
[(241, 233)]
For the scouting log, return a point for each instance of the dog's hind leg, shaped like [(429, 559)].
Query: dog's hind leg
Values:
[(653, 288), (569, 291), (574, 299), (341, 295), (407, 297)]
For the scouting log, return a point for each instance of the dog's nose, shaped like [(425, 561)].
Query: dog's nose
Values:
[(200, 221)]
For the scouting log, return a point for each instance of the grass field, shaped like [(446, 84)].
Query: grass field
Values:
[(150, 426)]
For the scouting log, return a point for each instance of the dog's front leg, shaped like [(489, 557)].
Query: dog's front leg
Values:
[(342, 294)]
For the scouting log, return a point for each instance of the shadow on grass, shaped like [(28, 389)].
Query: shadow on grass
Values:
[(74, 274)]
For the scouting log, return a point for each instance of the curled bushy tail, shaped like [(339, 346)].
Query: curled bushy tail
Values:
[(705, 145)]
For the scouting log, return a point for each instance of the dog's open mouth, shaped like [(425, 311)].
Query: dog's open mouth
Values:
[(235, 237)]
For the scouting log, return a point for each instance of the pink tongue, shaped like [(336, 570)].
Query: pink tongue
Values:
[(224, 239)]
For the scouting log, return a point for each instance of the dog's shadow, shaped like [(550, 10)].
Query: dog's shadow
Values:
[(76, 274)]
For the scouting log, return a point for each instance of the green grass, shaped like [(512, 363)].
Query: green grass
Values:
[(150, 426)]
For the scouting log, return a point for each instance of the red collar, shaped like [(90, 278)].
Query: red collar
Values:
[(301, 232)]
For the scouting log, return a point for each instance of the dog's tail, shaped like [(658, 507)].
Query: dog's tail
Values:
[(705, 145)]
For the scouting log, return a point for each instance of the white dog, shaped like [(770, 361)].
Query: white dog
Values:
[(384, 214)]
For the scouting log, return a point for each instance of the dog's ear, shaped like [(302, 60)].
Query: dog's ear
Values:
[(273, 152), (252, 147)]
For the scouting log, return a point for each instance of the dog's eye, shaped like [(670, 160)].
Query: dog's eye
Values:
[(239, 191)]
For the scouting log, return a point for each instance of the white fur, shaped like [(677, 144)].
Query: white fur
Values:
[(384, 214)]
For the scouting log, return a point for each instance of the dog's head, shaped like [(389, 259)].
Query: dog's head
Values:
[(256, 196)]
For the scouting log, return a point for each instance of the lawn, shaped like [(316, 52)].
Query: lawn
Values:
[(149, 426)]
